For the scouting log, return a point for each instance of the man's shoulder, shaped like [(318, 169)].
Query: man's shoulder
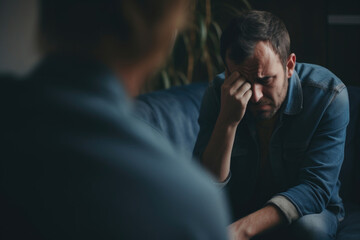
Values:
[(316, 76)]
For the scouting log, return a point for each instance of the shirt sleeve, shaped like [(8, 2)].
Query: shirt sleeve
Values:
[(224, 183), (286, 207)]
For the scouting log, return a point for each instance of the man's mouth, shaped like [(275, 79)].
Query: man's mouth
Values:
[(260, 107)]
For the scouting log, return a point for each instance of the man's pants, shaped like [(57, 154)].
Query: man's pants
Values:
[(322, 226)]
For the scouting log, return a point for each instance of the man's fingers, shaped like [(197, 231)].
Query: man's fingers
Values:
[(247, 95), (244, 96), (242, 89), (234, 87)]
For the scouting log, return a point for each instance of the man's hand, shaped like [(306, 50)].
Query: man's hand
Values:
[(238, 230), (256, 223), (235, 95)]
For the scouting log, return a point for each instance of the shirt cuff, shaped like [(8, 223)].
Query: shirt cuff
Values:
[(286, 207), (224, 183)]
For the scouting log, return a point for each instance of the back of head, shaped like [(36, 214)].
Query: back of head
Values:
[(135, 27), (244, 32)]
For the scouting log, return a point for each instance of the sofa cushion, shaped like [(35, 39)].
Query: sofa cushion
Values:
[(174, 112)]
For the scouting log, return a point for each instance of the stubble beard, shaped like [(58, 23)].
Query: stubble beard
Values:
[(266, 115)]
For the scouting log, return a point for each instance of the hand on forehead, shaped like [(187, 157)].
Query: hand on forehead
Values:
[(263, 63)]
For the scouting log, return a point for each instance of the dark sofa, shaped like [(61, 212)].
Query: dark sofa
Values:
[(174, 113)]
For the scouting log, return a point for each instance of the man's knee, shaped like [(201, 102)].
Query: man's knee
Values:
[(315, 226)]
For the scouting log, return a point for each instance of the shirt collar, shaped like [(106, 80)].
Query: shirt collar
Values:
[(293, 103)]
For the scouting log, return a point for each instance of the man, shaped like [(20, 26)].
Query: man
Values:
[(272, 132), (75, 162)]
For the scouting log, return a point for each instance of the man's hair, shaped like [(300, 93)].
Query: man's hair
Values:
[(244, 32), (81, 25)]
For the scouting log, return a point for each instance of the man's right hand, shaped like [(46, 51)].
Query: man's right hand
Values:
[(235, 95)]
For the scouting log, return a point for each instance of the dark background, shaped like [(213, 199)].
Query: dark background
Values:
[(314, 39)]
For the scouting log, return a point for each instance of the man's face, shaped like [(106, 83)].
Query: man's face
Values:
[(265, 72)]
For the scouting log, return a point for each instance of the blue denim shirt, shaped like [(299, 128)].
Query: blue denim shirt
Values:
[(306, 148)]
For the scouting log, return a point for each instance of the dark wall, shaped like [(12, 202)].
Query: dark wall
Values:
[(322, 33), (344, 41)]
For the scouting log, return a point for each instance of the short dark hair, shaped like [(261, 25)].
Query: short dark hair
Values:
[(245, 31), (81, 25)]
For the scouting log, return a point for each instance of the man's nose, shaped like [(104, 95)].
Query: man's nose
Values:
[(256, 92)]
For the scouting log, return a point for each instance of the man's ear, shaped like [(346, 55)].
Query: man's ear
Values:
[(290, 65)]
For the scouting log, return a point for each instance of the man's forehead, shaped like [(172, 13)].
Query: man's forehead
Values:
[(250, 67), (262, 62)]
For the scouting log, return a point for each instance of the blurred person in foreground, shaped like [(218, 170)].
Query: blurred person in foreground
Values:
[(272, 131), (75, 162)]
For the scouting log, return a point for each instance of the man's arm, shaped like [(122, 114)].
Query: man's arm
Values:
[(321, 164), (235, 94), (263, 220)]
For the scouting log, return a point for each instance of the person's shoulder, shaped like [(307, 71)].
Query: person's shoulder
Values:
[(171, 163), (316, 76), (174, 190)]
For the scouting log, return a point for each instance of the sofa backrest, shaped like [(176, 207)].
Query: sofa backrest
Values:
[(174, 112)]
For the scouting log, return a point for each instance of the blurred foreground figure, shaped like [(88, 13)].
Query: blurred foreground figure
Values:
[(75, 163)]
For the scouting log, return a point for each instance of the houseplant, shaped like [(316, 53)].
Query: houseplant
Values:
[(196, 54)]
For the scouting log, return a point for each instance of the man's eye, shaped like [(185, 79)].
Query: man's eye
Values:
[(265, 80)]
